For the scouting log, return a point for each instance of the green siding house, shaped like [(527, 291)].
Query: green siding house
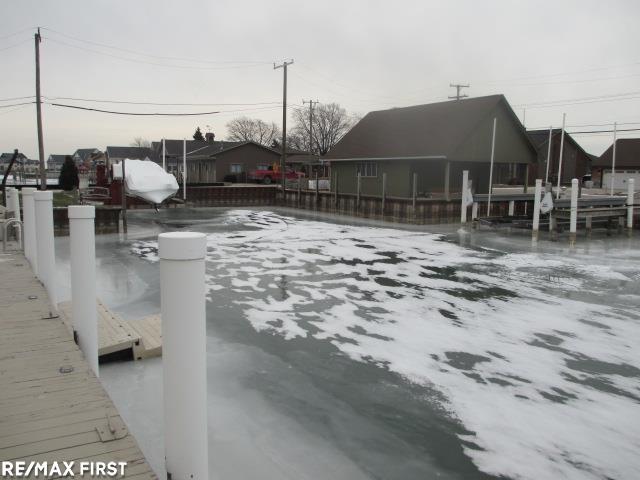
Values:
[(436, 142)]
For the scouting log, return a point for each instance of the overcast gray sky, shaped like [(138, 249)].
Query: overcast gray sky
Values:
[(364, 55)]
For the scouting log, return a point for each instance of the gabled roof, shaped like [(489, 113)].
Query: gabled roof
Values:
[(84, 153), (56, 158), (434, 130), (6, 157), (627, 154), (130, 152), (540, 139), (200, 149)]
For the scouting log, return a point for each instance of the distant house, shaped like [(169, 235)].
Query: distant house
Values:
[(88, 157), (576, 163), (627, 165), (215, 161), (116, 154), (5, 160), (436, 142), (55, 161)]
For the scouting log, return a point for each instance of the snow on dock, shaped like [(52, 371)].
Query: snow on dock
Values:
[(52, 406)]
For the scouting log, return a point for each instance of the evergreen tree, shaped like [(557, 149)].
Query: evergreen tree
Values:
[(198, 135), (68, 178)]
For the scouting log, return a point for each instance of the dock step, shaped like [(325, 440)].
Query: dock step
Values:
[(119, 338)]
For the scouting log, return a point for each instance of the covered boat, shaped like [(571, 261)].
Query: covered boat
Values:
[(147, 180)]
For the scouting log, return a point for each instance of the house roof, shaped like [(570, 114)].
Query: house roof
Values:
[(199, 149), (434, 130), (57, 158), (540, 139), (130, 152), (84, 153), (6, 157), (627, 154)]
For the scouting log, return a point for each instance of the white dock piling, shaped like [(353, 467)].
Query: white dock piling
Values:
[(537, 193), (630, 201), (30, 248), (573, 222), (463, 200), (82, 245), (512, 207), (474, 211), (184, 356), (13, 204), (44, 241)]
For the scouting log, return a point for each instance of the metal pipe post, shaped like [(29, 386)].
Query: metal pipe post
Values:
[(358, 190), (184, 353), (30, 248), (573, 222), (546, 175), (564, 117), (44, 241), (463, 200), (384, 191), (536, 208), (82, 245), (630, 202), (613, 158), (493, 149), (184, 169)]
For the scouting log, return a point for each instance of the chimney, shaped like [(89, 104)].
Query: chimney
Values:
[(209, 136)]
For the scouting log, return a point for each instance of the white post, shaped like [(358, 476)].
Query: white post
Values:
[(164, 156), (463, 205), (493, 149), (184, 355), (358, 189), (30, 249), (45, 245), (630, 201), (613, 160), (13, 204), (184, 169), (84, 313), (512, 207), (564, 117), (574, 211), (474, 211), (546, 175), (536, 207), (384, 191)]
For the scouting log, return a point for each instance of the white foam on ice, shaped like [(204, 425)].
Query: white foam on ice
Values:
[(535, 353)]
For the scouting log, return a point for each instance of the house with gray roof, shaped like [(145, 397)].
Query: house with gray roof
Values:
[(627, 165), (435, 142), (576, 163)]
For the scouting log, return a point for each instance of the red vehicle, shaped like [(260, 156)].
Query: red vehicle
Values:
[(272, 175)]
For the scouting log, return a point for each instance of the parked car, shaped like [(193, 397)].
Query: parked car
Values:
[(268, 176)]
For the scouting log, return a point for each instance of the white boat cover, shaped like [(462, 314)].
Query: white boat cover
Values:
[(147, 180)]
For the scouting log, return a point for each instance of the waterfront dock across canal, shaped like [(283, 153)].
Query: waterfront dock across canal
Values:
[(52, 406)]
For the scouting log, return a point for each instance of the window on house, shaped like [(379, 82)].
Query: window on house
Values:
[(262, 166), (368, 169), (236, 168)]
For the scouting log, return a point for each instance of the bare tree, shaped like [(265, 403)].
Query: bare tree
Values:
[(245, 129), (330, 123), (141, 142)]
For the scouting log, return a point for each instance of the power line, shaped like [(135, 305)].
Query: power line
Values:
[(16, 104), (157, 64), (15, 45), (131, 113), (16, 98), (161, 57), (127, 102), (606, 131), (17, 33), (577, 101)]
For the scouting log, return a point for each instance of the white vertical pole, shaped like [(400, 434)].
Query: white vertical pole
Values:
[(30, 248), (512, 207), (84, 313), (164, 156), (474, 211), (13, 204), (613, 160), (45, 245), (463, 205), (184, 169), (564, 117), (574, 210), (358, 189), (536, 207), (493, 149), (630, 201), (546, 175), (447, 175), (384, 191), (184, 355)]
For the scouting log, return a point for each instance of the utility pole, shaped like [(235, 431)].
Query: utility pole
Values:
[(458, 88), (283, 158), (43, 172), (311, 103)]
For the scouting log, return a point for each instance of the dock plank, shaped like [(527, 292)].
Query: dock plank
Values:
[(52, 406)]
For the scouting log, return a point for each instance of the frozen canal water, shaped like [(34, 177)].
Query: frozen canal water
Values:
[(356, 351)]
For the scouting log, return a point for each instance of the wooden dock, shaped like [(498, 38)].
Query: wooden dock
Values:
[(119, 338), (52, 406)]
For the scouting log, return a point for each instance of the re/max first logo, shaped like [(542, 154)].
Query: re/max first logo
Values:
[(21, 468)]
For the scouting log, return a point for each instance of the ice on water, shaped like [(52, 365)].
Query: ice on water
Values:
[(536, 354)]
